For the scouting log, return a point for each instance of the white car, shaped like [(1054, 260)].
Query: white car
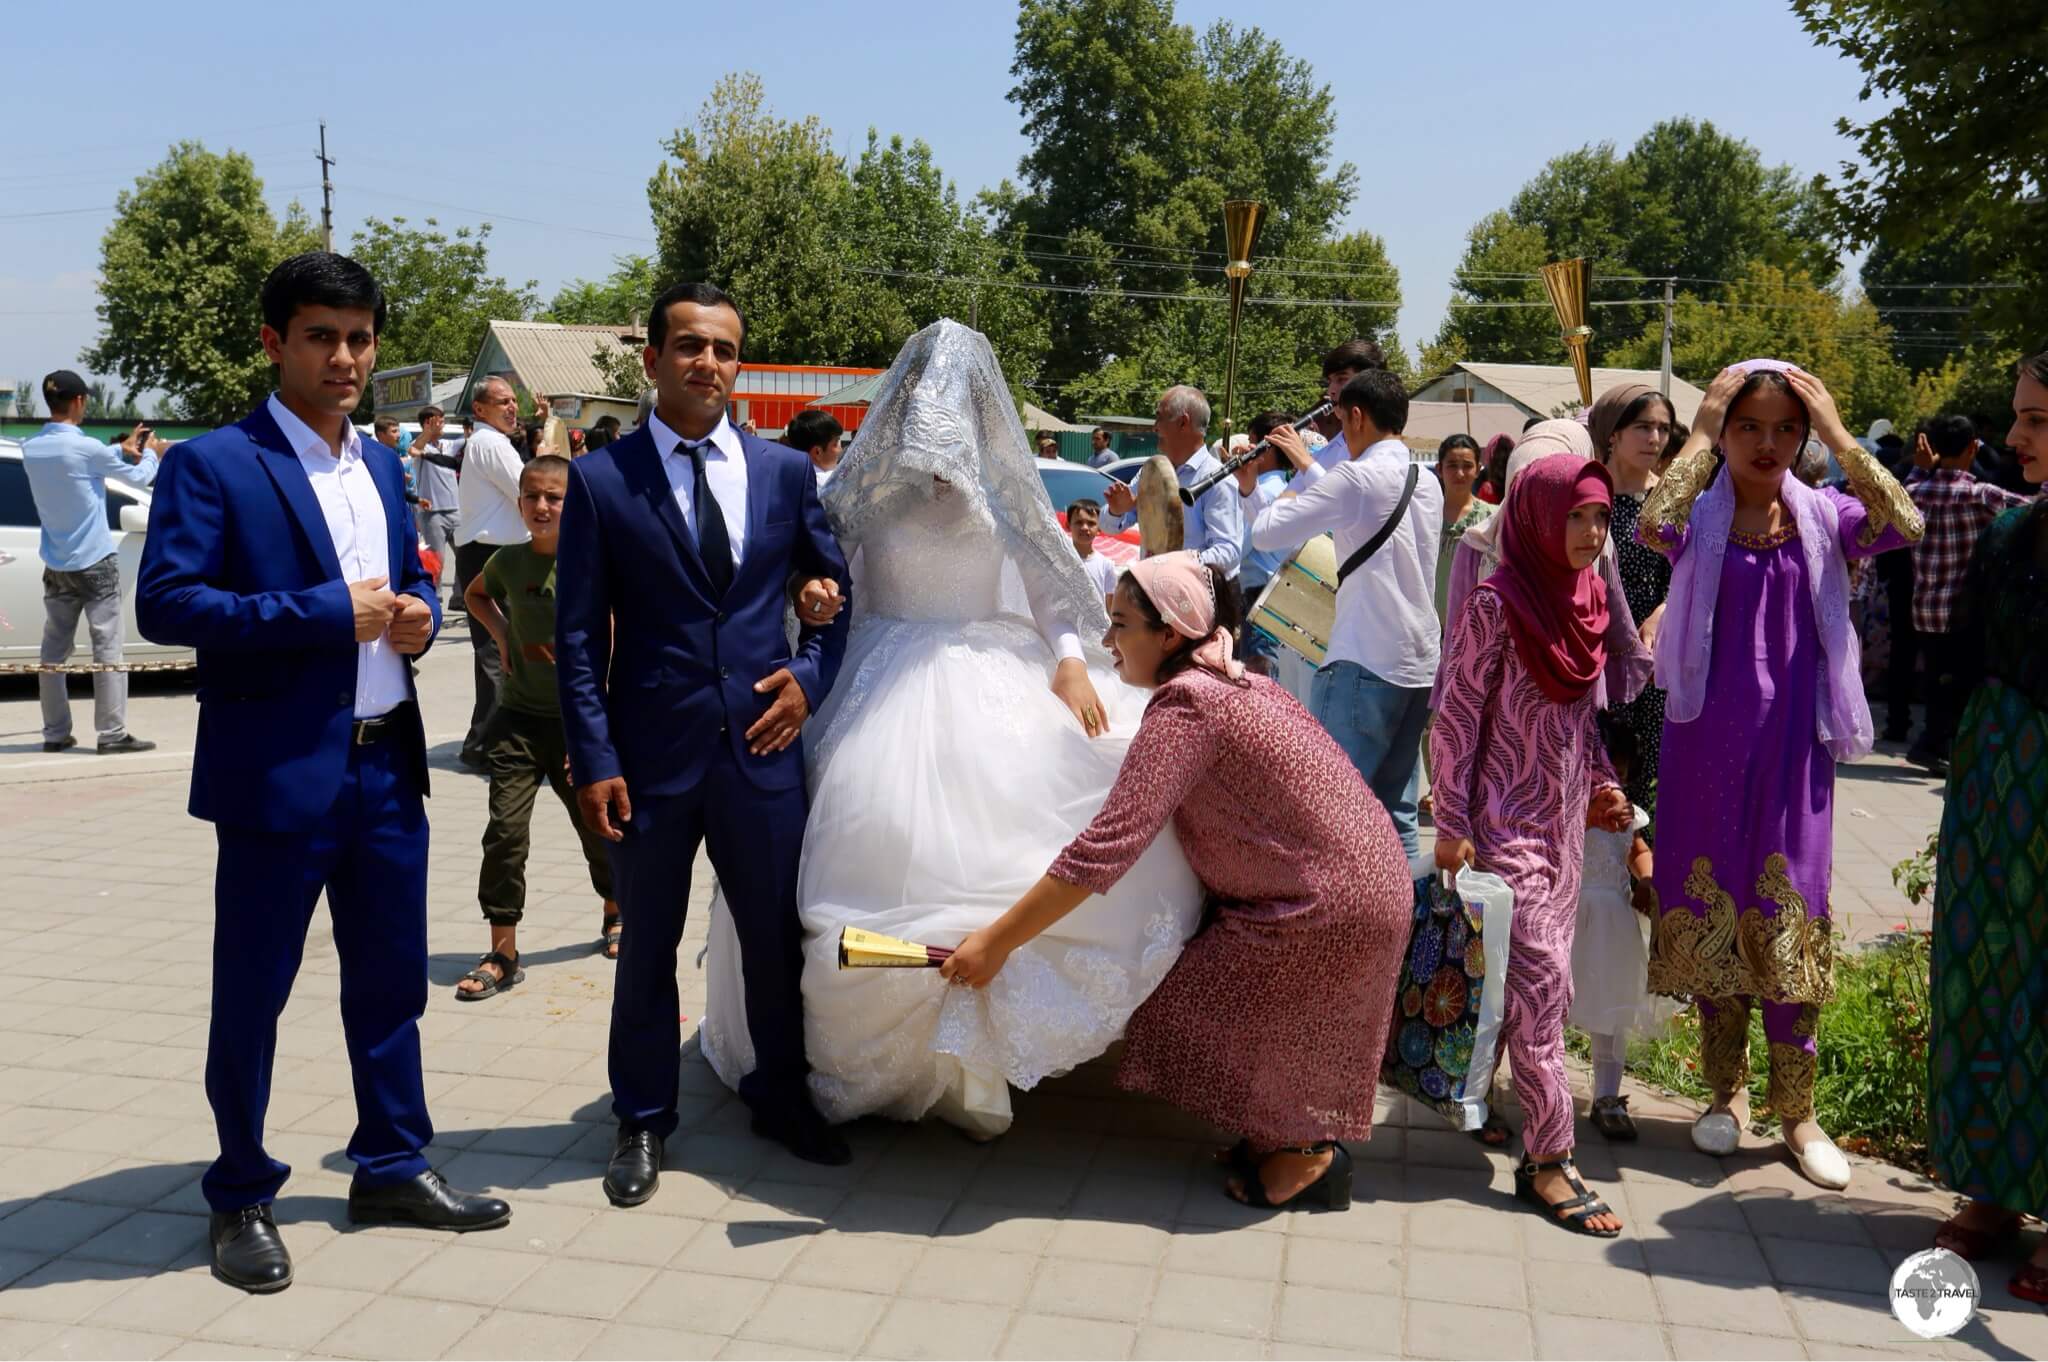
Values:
[(21, 569)]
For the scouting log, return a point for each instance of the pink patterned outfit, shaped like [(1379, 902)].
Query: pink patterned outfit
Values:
[(1515, 772), (1273, 1022)]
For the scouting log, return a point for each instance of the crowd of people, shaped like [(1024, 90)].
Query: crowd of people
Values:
[(1624, 654)]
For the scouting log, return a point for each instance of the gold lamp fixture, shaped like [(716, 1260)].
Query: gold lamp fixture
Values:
[(1240, 230), (1565, 282)]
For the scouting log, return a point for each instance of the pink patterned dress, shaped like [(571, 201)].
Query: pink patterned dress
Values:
[(1515, 771), (1273, 1022)]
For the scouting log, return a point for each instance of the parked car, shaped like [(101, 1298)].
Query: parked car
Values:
[(1124, 470), (21, 568)]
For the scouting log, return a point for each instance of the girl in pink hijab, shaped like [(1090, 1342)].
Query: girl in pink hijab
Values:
[(1521, 773), (1273, 1022)]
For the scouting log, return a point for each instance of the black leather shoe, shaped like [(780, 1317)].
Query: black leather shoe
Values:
[(248, 1251), (128, 742), (428, 1201), (635, 1170), (61, 745), (806, 1135)]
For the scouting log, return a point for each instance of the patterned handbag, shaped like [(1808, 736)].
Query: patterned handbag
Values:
[(1448, 1001)]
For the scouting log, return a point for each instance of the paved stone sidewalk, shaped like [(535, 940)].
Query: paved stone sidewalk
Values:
[(1095, 1229)]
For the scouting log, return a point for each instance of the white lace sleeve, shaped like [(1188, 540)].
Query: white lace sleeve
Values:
[(1059, 631)]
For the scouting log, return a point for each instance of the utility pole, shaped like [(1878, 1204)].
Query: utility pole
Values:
[(1664, 382), (327, 195)]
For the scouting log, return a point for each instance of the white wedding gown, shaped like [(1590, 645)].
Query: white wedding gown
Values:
[(945, 778)]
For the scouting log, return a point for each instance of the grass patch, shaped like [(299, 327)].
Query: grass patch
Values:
[(1871, 1090)]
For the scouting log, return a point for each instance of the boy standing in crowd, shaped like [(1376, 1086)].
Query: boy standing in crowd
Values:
[(513, 599), (1084, 518)]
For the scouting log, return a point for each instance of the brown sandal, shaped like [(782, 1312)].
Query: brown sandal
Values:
[(608, 943), (509, 974)]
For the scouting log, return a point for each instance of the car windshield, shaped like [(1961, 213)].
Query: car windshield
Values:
[(1065, 486)]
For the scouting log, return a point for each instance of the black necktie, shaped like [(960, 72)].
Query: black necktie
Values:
[(714, 545)]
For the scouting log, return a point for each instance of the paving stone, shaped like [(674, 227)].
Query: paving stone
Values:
[(1577, 1336), (1716, 1345), (814, 1317), (854, 1263), (946, 1272), (515, 1333), (1599, 1290), (695, 1302), (1215, 1305), (1708, 1303), (1313, 1314), (1469, 1279), (1435, 1329), (1112, 1291), (178, 1303), (295, 1320), (1059, 1336), (573, 1286), (932, 1329), (83, 1341), (469, 1272), (635, 1342), (396, 1326)]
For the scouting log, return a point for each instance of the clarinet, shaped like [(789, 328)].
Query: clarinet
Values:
[(1190, 495)]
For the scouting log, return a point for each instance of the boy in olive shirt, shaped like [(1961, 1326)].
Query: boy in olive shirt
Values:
[(514, 599)]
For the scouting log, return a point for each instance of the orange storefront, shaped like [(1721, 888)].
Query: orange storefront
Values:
[(769, 395)]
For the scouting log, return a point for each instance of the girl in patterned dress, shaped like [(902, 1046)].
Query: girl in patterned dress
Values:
[(1524, 773), (1273, 1022)]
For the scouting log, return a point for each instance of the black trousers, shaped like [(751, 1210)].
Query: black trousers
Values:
[(490, 669), (1900, 681), (1944, 695)]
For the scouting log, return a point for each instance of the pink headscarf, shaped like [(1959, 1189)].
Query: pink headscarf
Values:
[(1180, 586)]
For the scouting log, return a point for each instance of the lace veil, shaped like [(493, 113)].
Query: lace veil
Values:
[(944, 411)]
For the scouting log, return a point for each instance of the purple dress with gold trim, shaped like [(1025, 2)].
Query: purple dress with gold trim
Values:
[(1745, 801)]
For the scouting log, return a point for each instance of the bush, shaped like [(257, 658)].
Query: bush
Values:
[(1871, 1090)]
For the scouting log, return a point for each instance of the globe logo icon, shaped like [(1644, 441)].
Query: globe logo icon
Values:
[(1934, 1293)]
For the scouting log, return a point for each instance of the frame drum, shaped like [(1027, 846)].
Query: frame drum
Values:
[(1298, 607)]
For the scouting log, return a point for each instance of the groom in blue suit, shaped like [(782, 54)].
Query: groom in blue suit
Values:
[(282, 549), (682, 704)]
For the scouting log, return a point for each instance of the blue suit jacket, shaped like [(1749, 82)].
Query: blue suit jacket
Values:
[(654, 672), (238, 564)]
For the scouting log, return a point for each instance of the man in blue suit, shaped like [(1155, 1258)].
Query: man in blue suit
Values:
[(280, 548), (682, 704)]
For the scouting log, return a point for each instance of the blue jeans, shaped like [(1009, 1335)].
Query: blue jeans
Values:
[(1379, 726)]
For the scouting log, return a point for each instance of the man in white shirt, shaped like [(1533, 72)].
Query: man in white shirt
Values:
[(435, 464), (488, 495), (1259, 484), (1372, 692), (1215, 523)]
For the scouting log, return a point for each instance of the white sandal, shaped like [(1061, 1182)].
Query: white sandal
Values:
[(1716, 1133), (1824, 1164)]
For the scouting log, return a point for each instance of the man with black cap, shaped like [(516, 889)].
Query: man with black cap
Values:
[(67, 476)]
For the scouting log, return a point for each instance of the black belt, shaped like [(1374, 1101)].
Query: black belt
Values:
[(366, 732)]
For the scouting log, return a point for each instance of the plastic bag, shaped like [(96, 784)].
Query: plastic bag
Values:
[(1446, 1032)]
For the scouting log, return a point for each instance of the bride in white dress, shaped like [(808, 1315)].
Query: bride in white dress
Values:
[(945, 773)]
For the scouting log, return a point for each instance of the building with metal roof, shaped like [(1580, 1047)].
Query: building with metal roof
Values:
[(1543, 389)]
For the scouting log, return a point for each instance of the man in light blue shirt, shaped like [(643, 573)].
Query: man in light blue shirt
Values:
[(67, 477), (1215, 523)]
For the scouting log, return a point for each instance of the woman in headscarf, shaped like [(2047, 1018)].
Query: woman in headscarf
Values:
[(1523, 772), (1759, 660), (1493, 470), (1629, 426), (1987, 1084), (1273, 1022)]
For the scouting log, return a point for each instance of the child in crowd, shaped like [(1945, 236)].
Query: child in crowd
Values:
[(1084, 518), (514, 599), (1611, 947)]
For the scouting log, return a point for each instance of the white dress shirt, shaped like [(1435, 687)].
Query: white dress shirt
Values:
[(1386, 610), (354, 512), (725, 472), (488, 491)]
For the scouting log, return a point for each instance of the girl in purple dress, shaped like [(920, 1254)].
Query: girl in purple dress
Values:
[(1759, 661)]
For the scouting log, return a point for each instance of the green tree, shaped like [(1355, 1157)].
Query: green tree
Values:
[(624, 373), (24, 399), (1686, 200), (180, 270), (752, 203), (616, 301), (439, 292), (103, 402), (1140, 130)]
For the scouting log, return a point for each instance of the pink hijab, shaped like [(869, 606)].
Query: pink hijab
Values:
[(1557, 613), (1180, 586)]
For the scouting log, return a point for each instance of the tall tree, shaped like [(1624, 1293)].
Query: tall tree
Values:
[(615, 301), (439, 292), (1950, 186), (1139, 131), (1686, 200), (180, 270), (24, 397)]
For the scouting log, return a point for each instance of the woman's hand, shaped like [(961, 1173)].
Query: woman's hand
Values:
[(1609, 808), (1714, 406), (1071, 684), (1652, 622), (976, 961), (1820, 407), (1454, 853)]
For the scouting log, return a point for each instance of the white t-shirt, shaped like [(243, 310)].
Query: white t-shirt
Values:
[(1102, 572)]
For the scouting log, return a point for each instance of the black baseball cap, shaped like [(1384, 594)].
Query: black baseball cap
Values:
[(63, 387)]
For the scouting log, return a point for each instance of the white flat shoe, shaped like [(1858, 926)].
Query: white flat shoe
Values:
[(1823, 1164), (1716, 1133)]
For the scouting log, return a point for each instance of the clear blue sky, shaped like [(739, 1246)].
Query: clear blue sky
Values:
[(517, 109)]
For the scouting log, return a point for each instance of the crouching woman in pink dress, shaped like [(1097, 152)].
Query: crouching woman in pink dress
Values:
[(1273, 1022)]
